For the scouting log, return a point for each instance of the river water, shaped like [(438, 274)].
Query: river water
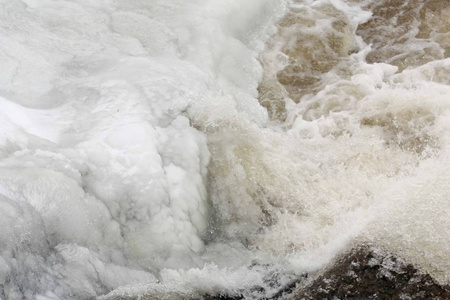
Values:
[(183, 148)]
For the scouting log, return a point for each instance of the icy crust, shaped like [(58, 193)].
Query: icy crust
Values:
[(102, 177)]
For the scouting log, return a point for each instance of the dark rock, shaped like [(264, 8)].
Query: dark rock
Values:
[(223, 297), (368, 272)]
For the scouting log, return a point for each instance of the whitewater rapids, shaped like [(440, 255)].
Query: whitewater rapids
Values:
[(174, 148)]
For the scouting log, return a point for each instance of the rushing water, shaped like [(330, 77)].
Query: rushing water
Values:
[(179, 148)]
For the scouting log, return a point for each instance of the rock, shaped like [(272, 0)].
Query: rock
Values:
[(368, 272)]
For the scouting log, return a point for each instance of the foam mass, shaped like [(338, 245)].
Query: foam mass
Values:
[(103, 178)]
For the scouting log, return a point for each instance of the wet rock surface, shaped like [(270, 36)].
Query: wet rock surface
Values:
[(368, 272)]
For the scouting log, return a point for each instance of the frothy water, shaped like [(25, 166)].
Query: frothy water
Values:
[(175, 149)]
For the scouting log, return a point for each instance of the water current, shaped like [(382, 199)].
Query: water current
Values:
[(175, 149)]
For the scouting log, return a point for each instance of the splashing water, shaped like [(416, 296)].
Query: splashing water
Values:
[(175, 149)]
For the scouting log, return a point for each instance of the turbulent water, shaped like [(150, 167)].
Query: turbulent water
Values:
[(175, 148)]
